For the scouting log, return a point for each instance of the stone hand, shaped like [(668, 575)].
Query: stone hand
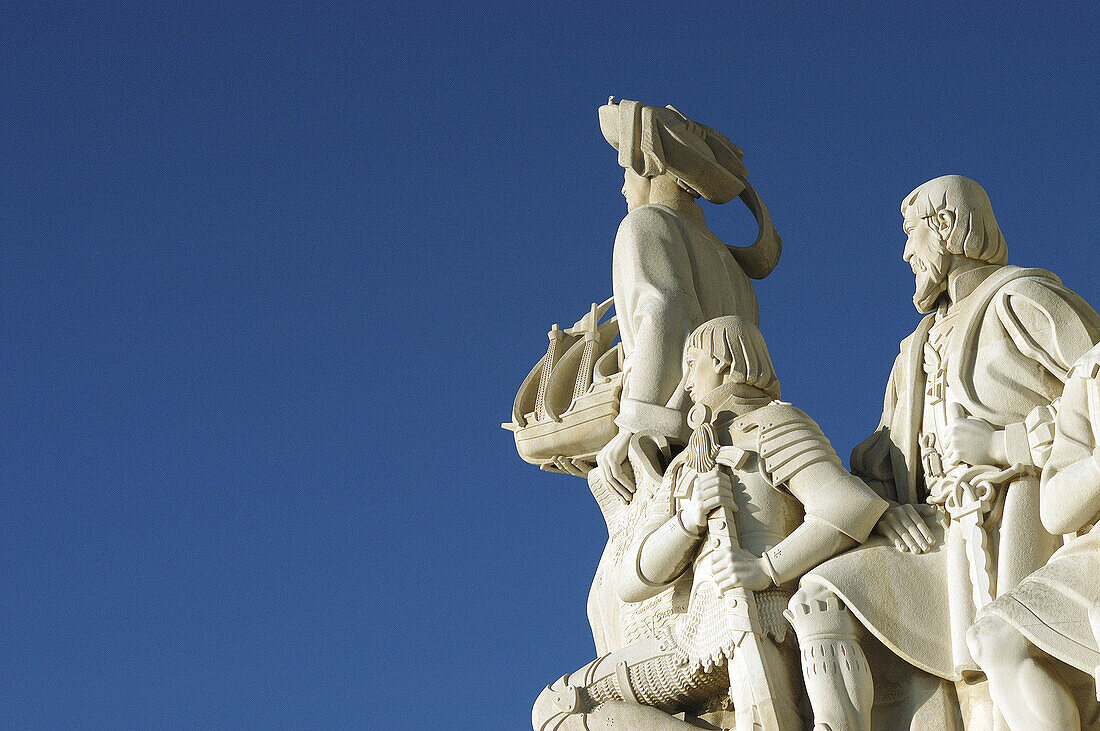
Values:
[(973, 441), (614, 466), (904, 525), (739, 568), (712, 490)]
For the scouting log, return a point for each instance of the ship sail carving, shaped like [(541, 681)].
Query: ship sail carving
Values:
[(565, 410)]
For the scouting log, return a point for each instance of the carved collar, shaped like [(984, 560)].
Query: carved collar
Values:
[(965, 284)]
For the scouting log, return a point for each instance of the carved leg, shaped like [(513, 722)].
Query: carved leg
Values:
[(637, 687), (616, 715), (784, 659), (1025, 687), (838, 680)]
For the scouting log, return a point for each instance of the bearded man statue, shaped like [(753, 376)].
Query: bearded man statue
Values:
[(966, 423)]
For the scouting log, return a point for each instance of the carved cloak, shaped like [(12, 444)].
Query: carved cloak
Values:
[(1050, 607), (1018, 333)]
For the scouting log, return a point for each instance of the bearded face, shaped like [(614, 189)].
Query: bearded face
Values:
[(927, 255)]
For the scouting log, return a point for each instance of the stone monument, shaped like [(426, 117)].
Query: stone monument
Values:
[(749, 581)]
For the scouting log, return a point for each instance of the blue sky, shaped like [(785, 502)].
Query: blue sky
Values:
[(270, 275)]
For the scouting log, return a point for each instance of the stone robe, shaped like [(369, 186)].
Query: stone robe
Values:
[(1015, 336), (669, 276), (1050, 607)]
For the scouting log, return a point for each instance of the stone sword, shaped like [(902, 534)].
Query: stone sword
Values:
[(742, 617)]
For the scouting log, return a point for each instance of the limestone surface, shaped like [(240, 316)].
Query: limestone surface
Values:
[(750, 581)]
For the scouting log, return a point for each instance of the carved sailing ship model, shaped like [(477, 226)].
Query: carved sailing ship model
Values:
[(565, 410)]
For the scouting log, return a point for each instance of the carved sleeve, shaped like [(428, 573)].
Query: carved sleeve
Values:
[(797, 455), (661, 550), (1070, 488), (1053, 327), (1048, 323), (810, 544), (655, 301), (1029, 441)]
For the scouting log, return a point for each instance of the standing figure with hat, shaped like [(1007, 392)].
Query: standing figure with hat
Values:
[(756, 499), (670, 272)]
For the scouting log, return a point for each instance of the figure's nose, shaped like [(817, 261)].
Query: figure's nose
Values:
[(907, 253)]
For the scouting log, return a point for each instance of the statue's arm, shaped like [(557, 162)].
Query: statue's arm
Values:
[(669, 541), (841, 510), (655, 303), (1070, 488), (1053, 326), (661, 554)]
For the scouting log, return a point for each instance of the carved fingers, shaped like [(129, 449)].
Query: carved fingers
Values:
[(972, 441), (614, 467), (739, 568), (712, 490), (905, 526), (573, 467)]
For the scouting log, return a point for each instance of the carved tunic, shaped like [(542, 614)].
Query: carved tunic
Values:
[(1002, 355), (1050, 607), (669, 277)]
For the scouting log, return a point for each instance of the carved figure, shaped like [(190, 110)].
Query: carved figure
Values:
[(1047, 615), (966, 419), (669, 272), (757, 471)]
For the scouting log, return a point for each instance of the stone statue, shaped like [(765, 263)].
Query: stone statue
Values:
[(1047, 615), (967, 417), (757, 498), (948, 581), (669, 272)]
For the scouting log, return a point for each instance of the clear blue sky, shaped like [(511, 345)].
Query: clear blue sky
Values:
[(270, 275)]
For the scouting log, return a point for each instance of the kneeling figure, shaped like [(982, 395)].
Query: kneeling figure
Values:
[(756, 499)]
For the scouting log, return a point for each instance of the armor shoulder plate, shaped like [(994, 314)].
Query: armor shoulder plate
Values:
[(789, 441)]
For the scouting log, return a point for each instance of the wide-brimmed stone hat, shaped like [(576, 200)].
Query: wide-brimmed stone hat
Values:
[(653, 141), (656, 140)]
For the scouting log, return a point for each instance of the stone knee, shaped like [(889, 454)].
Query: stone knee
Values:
[(815, 610), (995, 643), (834, 668)]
